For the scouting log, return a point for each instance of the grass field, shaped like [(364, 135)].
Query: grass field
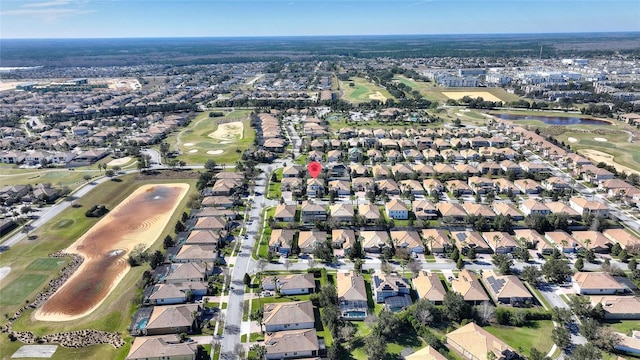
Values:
[(624, 153), (535, 335), (19, 289), (29, 258), (203, 135), (437, 93), (362, 91)]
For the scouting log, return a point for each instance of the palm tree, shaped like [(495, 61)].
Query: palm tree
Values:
[(430, 239), (496, 240), (587, 242)]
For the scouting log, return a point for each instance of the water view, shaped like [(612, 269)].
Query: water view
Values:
[(554, 120)]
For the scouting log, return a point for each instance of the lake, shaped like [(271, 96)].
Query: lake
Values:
[(554, 120)]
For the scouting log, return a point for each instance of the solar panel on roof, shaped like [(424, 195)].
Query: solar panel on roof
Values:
[(496, 284)]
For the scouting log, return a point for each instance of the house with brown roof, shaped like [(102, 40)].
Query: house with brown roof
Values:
[(532, 206), (618, 307), (315, 187), (166, 347), (343, 239), (473, 342), (165, 294), (203, 237), (426, 353), (341, 187), (436, 240), (292, 284), (451, 212), (342, 212), (291, 184), (196, 253), (308, 241), (412, 186), (217, 201), (500, 242), (225, 187), (429, 287), (407, 239), (281, 240), (503, 208), (432, 184), (385, 286), (465, 240), (565, 242), (374, 241), (291, 344), (468, 285), (352, 295), (584, 206), (532, 236), (370, 212), (311, 212), (555, 183), (288, 316), (459, 186), (396, 209), (291, 171), (362, 184), (388, 186), (476, 209), (210, 223), (424, 210), (593, 240), (172, 319), (285, 213), (558, 207), (506, 289), (185, 272), (625, 238), (597, 283)]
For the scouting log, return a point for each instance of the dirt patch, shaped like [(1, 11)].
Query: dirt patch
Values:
[(119, 162), (599, 139), (193, 151), (188, 144), (228, 131), (377, 96), (139, 219), (215, 152), (572, 139), (599, 156), (4, 271), (457, 95)]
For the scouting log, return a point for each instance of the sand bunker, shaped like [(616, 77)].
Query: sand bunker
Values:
[(188, 144), (214, 152), (599, 156), (572, 139), (229, 131), (139, 219), (378, 96), (193, 151), (4, 271), (225, 142), (457, 95), (599, 139), (119, 162)]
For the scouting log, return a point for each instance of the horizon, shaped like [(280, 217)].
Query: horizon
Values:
[(116, 19)]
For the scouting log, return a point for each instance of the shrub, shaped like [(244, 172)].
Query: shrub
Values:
[(96, 211)]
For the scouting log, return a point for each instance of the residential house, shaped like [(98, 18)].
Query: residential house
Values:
[(594, 174), (527, 186), (362, 184), (584, 207), (458, 187), (556, 183), (465, 240), (292, 171), (500, 242), (468, 285), (424, 210), (291, 344), (476, 209), (429, 287), (338, 172), (618, 307), (407, 239), (597, 283), (437, 240), (374, 241), (370, 213), (291, 184), (352, 295), (475, 343), (341, 187), (292, 284), (195, 253), (506, 209), (423, 171), (311, 212), (426, 353), (412, 186), (388, 186), (342, 212), (288, 316), (315, 187), (170, 319), (343, 239), (181, 273), (506, 289), (504, 186), (558, 207), (532, 206), (392, 290), (166, 347), (432, 184), (165, 294), (308, 241), (396, 209), (626, 239), (285, 213), (481, 185), (281, 240), (217, 201), (211, 223), (203, 237), (593, 240), (225, 187), (535, 238), (563, 241), (451, 212)]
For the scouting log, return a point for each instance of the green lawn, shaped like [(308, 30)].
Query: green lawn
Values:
[(624, 326), (536, 335), (21, 288), (196, 135), (362, 91), (47, 264)]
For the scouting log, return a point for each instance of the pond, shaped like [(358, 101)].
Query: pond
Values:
[(554, 120)]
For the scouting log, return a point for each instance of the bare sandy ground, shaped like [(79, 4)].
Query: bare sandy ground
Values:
[(4, 271), (193, 151), (572, 139), (136, 220), (188, 144), (600, 139), (457, 95), (378, 96), (9, 85), (228, 131), (214, 152), (599, 156), (119, 162)]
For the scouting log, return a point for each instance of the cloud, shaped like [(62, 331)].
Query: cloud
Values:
[(47, 4), (47, 15)]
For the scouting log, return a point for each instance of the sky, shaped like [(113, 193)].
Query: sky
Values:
[(215, 18)]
